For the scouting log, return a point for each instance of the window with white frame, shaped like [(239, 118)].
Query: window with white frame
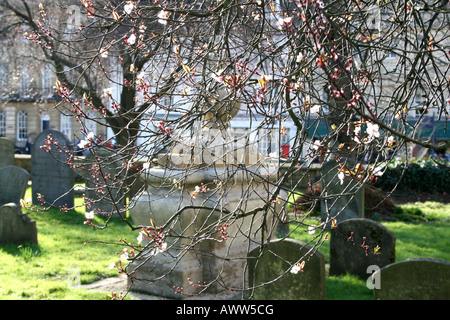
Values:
[(66, 125), (45, 121), (3, 79), (47, 81), (2, 124), (22, 126), (25, 85)]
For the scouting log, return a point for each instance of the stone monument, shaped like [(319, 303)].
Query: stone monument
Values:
[(112, 168), (343, 198), (16, 227), (51, 176), (277, 260), (210, 233), (6, 152), (13, 184), (413, 279), (357, 244)]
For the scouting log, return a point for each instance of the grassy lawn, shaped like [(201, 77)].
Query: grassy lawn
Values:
[(426, 239), (48, 270)]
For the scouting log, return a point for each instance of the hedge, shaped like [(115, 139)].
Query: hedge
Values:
[(420, 176)]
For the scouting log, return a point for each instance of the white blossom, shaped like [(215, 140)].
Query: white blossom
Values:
[(372, 130), (341, 176), (103, 53), (159, 249), (142, 28), (90, 136), (128, 8), (256, 16), (378, 170), (163, 16), (89, 215), (82, 144), (140, 77), (131, 39), (390, 141), (285, 22), (140, 237), (124, 255), (217, 76), (295, 268)]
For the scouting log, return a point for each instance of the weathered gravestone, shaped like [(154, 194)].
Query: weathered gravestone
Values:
[(6, 152), (357, 244), (344, 199), (51, 176), (13, 184), (97, 195), (414, 279), (276, 260), (16, 227)]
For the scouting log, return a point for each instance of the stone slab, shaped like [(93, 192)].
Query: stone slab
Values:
[(51, 176), (414, 279), (275, 264), (348, 251), (16, 227), (13, 184)]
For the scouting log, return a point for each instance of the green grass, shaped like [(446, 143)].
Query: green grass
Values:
[(48, 270), (426, 238), (423, 240), (432, 210), (292, 200)]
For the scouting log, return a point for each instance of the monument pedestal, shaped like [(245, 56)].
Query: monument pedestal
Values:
[(210, 232), (344, 199)]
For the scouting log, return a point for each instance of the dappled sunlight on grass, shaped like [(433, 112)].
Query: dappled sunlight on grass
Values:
[(43, 271), (423, 240), (432, 210)]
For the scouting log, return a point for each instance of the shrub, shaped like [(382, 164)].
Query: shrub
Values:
[(420, 176), (414, 215)]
